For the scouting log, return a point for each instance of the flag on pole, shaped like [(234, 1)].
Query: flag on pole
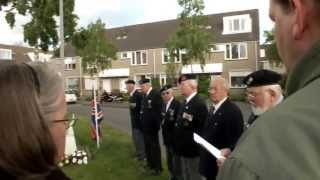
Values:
[(95, 128)]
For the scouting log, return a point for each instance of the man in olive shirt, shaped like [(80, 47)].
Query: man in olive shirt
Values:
[(284, 142)]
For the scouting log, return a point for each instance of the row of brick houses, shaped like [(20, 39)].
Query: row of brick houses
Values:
[(142, 53)]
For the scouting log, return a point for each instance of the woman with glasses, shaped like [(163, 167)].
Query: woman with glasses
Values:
[(32, 138)]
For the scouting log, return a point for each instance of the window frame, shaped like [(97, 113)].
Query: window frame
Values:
[(242, 74), (143, 62), (228, 51), (5, 51), (244, 24)]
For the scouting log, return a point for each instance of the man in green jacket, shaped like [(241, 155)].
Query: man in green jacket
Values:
[(284, 143)]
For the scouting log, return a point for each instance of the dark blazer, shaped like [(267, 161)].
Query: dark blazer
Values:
[(151, 112), (190, 119), (222, 129), (169, 119), (135, 108)]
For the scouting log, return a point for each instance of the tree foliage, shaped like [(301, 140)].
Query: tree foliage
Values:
[(41, 30), (93, 46), (271, 48), (191, 35)]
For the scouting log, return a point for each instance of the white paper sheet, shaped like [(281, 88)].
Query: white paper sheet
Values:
[(209, 147)]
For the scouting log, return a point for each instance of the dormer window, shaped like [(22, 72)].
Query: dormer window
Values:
[(237, 24)]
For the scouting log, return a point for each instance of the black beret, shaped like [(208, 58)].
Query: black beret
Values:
[(130, 81), (184, 77), (142, 81), (262, 78), (166, 87)]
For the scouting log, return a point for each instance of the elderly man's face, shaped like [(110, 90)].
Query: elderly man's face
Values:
[(260, 99), (145, 87), (185, 88), (167, 95), (216, 91), (130, 87)]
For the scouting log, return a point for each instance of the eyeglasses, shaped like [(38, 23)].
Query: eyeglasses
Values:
[(165, 93), (68, 122)]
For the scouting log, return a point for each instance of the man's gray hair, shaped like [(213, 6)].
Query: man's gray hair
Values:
[(222, 81), (51, 87)]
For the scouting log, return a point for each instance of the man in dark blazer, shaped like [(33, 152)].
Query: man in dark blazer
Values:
[(151, 119), (191, 117), (170, 110), (136, 126), (222, 128)]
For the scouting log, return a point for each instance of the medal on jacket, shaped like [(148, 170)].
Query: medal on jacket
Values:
[(187, 116), (171, 112), (149, 103), (133, 105)]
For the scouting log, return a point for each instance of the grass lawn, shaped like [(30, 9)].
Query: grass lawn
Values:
[(113, 161)]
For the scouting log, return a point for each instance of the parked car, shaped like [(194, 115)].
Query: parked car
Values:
[(70, 96)]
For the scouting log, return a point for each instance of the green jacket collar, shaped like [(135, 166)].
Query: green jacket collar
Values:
[(305, 71)]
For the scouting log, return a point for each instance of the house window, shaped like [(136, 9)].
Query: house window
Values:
[(6, 54), (236, 51), (163, 79), (139, 58), (125, 55), (237, 24), (72, 83), (236, 79), (166, 56), (217, 48), (69, 67)]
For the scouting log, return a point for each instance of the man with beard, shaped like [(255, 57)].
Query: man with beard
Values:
[(263, 92)]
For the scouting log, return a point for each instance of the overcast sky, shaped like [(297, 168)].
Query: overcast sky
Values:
[(117, 13)]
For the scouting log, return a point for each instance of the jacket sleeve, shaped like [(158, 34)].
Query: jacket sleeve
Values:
[(233, 169), (235, 127)]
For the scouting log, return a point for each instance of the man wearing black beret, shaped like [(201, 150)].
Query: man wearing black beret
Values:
[(136, 126), (263, 92), (193, 113), (170, 110), (151, 119)]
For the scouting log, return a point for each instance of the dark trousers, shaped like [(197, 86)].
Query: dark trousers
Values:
[(138, 141), (153, 153), (174, 164)]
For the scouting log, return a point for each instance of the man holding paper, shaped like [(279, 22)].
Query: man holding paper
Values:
[(222, 128)]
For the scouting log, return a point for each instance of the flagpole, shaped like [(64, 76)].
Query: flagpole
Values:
[(96, 116)]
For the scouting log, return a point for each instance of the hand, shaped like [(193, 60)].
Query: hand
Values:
[(225, 153)]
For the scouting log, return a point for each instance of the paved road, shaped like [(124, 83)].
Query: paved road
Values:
[(117, 115)]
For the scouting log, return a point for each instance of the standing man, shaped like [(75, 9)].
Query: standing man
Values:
[(151, 119), (190, 120), (136, 126), (263, 92), (223, 127), (283, 143), (170, 110)]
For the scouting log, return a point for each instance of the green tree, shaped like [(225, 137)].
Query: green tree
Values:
[(271, 48), (192, 35), (41, 30), (94, 48)]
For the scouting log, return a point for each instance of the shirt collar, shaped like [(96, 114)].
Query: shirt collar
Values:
[(191, 96), (132, 92), (168, 103), (217, 106), (149, 91)]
